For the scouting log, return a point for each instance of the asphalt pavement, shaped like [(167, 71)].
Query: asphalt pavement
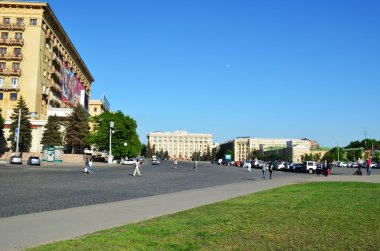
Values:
[(160, 191)]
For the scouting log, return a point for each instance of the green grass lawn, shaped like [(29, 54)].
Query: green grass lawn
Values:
[(312, 216)]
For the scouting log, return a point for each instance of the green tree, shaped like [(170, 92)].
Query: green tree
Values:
[(77, 129), (3, 142), (52, 136), (208, 154), (166, 155), (124, 131), (25, 130)]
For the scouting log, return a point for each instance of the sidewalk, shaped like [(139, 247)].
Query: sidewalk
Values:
[(34, 229)]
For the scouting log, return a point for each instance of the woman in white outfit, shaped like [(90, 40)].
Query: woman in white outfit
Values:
[(137, 168)]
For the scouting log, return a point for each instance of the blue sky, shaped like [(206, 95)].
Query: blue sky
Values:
[(268, 68)]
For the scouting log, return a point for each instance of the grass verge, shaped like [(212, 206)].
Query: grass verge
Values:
[(312, 216)]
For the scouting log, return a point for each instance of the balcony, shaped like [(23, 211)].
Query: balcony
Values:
[(12, 41), (56, 75), (10, 72), (17, 41), (15, 56), (5, 26), (18, 27), (9, 87)]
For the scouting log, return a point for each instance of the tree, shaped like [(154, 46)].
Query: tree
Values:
[(25, 130), (52, 136), (166, 155), (77, 129), (208, 154), (124, 131), (3, 142)]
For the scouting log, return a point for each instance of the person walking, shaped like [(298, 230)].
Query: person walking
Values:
[(359, 162), (263, 170), (175, 163), (90, 167), (86, 166), (270, 171), (196, 166), (137, 168), (368, 166)]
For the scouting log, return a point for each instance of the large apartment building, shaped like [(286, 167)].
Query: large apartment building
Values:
[(180, 144), (39, 62), (244, 146)]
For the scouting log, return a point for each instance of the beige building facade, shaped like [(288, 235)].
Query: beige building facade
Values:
[(244, 146), (180, 144), (39, 62), (98, 106)]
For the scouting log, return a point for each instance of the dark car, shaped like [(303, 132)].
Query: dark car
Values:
[(34, 160), (297, 168)]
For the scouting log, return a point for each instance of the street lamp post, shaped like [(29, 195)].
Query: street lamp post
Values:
[(110, 157)]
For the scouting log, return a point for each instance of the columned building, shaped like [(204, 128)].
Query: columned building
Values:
[(180, 144), (39, 62), (244, 146)]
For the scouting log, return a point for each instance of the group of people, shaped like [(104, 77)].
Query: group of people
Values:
[(360, 163), (266, 167)]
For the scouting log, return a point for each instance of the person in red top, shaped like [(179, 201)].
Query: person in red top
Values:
[(368, 164)]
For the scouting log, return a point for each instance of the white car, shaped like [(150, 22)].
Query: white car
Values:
[(128, 161)]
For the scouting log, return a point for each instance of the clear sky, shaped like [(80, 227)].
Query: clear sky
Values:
[(259, 68)]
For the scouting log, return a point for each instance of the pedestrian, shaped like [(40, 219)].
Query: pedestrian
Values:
[(86, 166), (270, 171), (264, 169), (196, 166), (368, 165), (359, 162), (137, 168), (90, 167), (175, 163)]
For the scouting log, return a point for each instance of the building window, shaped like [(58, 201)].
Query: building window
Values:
[(6, 20), (4, 35), (33, 21), (13, 96), (1, 81), (18, 35), (20, 21), (2, 65), (95, 109), (3, 50), (16, 66), (1, 96), (17, 51), (14, 81)]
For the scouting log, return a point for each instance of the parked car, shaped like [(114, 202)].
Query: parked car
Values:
[(16, 160), (127, 161), (34, 160), (310, 166), (297, 168), (279, 166), (341, 164), (237, 163)]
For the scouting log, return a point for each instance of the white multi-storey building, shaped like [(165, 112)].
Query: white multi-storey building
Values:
[(180, 144), (244, 146)]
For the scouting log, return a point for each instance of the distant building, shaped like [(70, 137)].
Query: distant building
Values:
[(180, 144), (39, 62), (244, 146), (97, 107)]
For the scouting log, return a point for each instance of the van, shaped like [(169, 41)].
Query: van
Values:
[(310, 166)]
